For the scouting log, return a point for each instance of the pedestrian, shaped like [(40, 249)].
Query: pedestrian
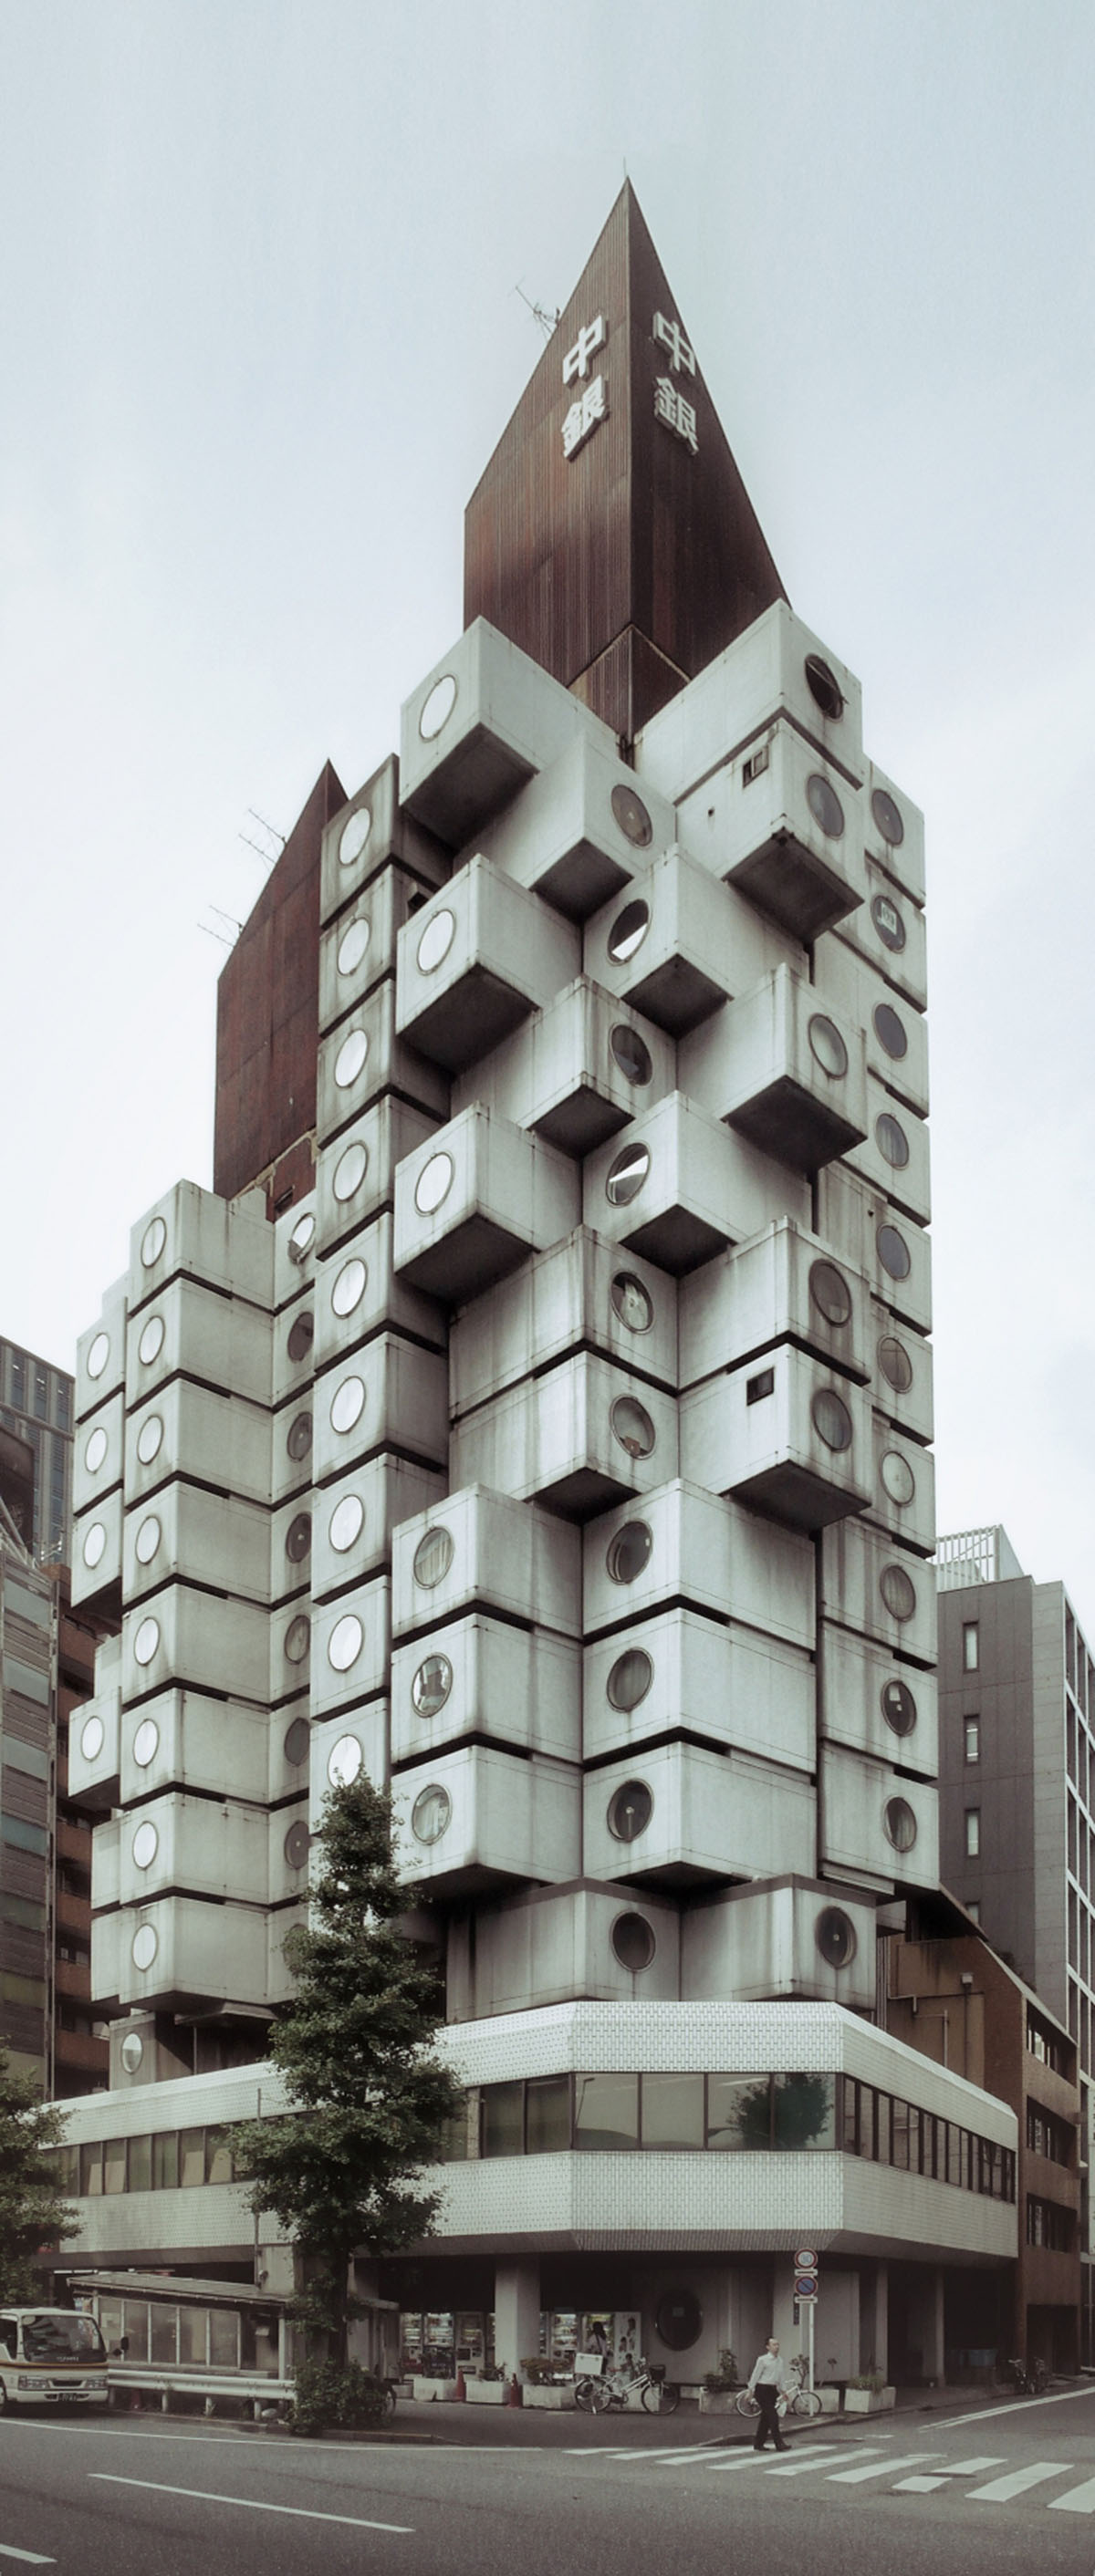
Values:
[(767, 2381)]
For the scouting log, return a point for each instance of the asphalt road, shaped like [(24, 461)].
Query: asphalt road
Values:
[(993, 2492)]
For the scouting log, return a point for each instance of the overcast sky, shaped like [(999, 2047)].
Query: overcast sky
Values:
[(261, 329)]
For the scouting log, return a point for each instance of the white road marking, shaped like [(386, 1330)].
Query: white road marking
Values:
[(299, 2513), (878, 2469), (1000, 2490), (954, 2469), (1015, 2406), (750, 2459), (1078, 2500), (798, 2468), (30, 2557), (665, 2459)]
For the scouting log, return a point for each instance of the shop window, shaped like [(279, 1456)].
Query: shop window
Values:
[(606, 2113)]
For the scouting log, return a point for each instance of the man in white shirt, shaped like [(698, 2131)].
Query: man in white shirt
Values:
[(767, 2381)]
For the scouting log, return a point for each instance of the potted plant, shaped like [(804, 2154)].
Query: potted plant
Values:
[(545, 2387), (488, 2389), (721, 2386), (869, 2394)]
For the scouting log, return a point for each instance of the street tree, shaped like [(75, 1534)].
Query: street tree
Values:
[(369, 2100), (33, 2214)]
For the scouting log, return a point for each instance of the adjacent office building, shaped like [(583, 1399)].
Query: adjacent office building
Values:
[(536, 1415)]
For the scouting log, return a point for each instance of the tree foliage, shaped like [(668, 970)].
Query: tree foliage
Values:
[(33, 2214), (369, 2100)]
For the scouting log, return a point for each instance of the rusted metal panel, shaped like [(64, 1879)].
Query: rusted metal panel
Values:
[(268, 1009)]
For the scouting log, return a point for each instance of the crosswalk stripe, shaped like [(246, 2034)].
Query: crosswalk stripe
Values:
[(1017, 2481), (877, 2469), (662, 2459), (750, 2459), (798, 2468), (920, 2486), (1078, 2499)]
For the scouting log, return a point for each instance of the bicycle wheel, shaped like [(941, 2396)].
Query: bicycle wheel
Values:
[(671, 2397), (600, 2396), (746, 2405), (805, 2402), (583, 2394)]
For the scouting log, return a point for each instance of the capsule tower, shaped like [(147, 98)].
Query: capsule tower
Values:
[(536, 1413)]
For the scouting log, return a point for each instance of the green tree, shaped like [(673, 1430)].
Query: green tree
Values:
[(369, 2100), (32, 2213)]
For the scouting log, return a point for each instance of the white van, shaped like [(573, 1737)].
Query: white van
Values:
[(51, 2357)]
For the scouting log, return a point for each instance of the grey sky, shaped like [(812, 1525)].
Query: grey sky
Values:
[(260, 334)]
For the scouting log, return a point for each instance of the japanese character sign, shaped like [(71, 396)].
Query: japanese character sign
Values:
[(591, 336), (677, 414), (681, 357), (584, 415)]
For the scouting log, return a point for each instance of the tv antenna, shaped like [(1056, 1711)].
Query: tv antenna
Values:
[(540, 314), (231, 924), (269, 857)]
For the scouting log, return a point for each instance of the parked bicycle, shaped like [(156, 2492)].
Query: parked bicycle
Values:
[(800, 2400), (597, 2393), (1027, 2379)]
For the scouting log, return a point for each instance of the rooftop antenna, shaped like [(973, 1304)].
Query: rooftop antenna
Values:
[(268, 857), (546, 320), (222, 935)]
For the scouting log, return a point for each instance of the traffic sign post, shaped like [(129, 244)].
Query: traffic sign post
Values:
[(806, 2289)]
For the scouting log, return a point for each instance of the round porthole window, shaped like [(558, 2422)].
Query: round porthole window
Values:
[(95, 1450), (300, 1239), (98, 1355), (298, 1639), (132, 2051), (834, 1933), (633, 1942), (892, 1142), (632, 1302), (146, 1641), (147, 1540), (145, 1945), (898, 1591), (146, 1743), (632, 1427), (893, 1252), (629, 1811), (345, 1643), (302, 1333), (347, 1404), (630, 1053), (92, 1739), (94, 1547), (824, 687), (298, 1438), (888, 922), (830, 1292), (344, 1761), (888, 817), (631, 815), (678, 2319), (295, 1846), (900, 1824), (897, 1477), (825, 806), (431, 1685), (898, 1707), (890, 1031), (433, 1557), (437, 707), (346, 1522), (349, 1287), (431, 1814), (433, 1184), (146, 1843), (629, 1551), (297, 1739), (149, 1439), (350, 1171), (351, 1059), (298, 1538), (827, 1046), (151, 1341), (628, 932), (152, 1242), (627, 1175), (436, 941), (354, 836), (353, 947), (831, 1418), (630, 1678)]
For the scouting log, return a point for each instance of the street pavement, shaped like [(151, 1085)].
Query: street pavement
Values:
[(985, 2489)]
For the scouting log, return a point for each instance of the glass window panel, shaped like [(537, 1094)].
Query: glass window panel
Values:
[(193, 2325), (224, 2339), (135, 2325), (110, 2323), (606, 2112), (803, 2111), (165, 2161), (91, 2169), (673, 2111), (114, 2164), (915, 2142), (739, 2111), (502, 2120), (461, 2139), (851, 2116), (140, 2164), (900, 2135), (162, 2335), (547, 2113), (954, 2153), (883, 2108), (218, 2156), (191, 2156)]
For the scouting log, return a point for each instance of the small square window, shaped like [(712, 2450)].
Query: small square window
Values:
[(755, 766), (756, 1388), (973, 1909), (972, 1739), (971, 1646), (973, 1832)]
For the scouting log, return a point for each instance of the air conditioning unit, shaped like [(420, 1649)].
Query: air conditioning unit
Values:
[(681, 1186), (581, 830), (366, 835), (521, 1687), (776, 668), (784, 1072), (784, 1434), (577, 1438), (782, 1285), (580, 1294), (481, 1550), (576, 1073), (484, 720), (785, 829), (473, 1202), (679, 1673)]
